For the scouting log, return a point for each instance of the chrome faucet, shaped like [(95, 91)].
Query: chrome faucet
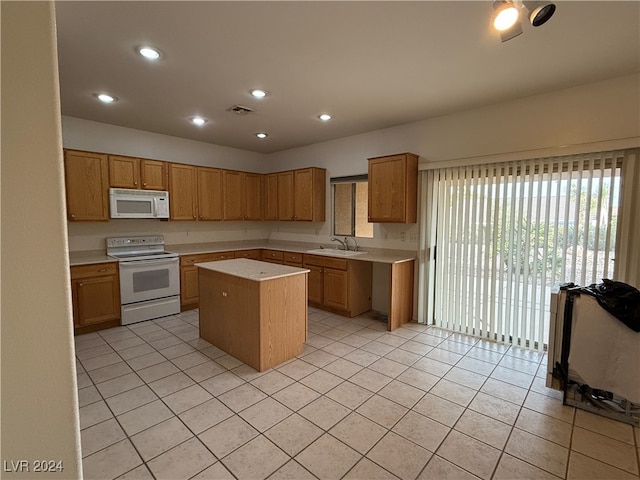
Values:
[(355, 244), (344, 244)]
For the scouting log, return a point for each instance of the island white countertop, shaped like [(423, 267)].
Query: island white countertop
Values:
[(252, 269)]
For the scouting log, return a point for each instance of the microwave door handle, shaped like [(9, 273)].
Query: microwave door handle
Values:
[(141, 263)]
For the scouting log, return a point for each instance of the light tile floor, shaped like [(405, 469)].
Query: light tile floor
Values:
[(156, 401)]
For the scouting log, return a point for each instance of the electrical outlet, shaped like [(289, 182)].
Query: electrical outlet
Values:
[(403, 236)]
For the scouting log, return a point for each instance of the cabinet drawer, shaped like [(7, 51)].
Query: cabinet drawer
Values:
[(252, 254), (186, 260), (222, 256), (272, 255), (316, 260), (94, 270), (291, 257), (191, 259), (337, 263)]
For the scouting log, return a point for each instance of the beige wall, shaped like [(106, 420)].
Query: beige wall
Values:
[(39, 405)]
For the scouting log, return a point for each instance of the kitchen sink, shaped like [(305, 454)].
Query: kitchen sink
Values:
[(335, 252)]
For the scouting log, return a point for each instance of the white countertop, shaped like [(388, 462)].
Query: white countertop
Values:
[(88, 257), (252, 269), (375, 255)]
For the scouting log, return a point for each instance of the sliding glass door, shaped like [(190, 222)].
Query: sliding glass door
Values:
[(500, 236)]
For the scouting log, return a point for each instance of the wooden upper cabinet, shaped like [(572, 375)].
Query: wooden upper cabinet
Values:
[(285, 195), (309, 191), (129, 172), (271, 196), (209, 193), (232, 188), (301, 195), (183, 192), (393, 188), (242, 195), (124, 172), (153, 174), (87, 185), (253, 204)]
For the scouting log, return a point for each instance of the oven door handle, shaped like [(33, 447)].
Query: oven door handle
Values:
[(145, 263)]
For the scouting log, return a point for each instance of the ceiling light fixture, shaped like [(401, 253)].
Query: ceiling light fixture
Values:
[(258, 93), (325, 117), (506, 19), (149, 53), (539, 12), (261, 135), (199, 121), (506, 16), (105, 97)]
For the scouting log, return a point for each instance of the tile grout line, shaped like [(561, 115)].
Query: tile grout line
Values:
[(344, 379)]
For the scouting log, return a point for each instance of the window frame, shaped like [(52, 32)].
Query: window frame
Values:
[(352, 179)]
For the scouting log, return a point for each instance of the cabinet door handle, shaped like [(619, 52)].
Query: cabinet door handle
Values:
[(194, 216), (135, 184), (144, 184), (81, 284), (103, 270)]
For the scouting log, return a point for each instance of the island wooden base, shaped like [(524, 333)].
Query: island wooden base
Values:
[(261, 323)]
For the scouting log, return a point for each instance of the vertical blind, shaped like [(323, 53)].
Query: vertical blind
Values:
[(504, 234)]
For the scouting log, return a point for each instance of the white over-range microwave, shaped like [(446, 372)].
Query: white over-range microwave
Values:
[(127, 203)]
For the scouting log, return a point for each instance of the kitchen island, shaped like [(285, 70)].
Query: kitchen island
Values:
[(254, 311)]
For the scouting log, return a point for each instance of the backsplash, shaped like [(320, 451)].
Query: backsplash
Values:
[(91, 235)]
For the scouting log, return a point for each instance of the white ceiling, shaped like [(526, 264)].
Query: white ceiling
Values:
[(370, 64)]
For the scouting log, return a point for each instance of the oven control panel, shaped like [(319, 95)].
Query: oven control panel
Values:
[(118, 242)]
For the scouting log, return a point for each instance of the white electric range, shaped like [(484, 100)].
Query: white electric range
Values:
[(149, 277)]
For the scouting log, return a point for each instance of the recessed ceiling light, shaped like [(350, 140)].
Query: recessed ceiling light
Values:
[(325, 117), (105, 97), (261, 135), (149, 53), (258, 93), (199, 121)]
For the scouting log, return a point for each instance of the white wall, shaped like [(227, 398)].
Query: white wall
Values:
[(596, 112), (39, 405)]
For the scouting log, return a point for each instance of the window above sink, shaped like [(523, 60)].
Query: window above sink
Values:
[(350, 205)]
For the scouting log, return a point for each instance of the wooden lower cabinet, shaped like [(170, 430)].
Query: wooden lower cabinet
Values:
[(316, 285), (189, 298), (95, 292), (339, 285)]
